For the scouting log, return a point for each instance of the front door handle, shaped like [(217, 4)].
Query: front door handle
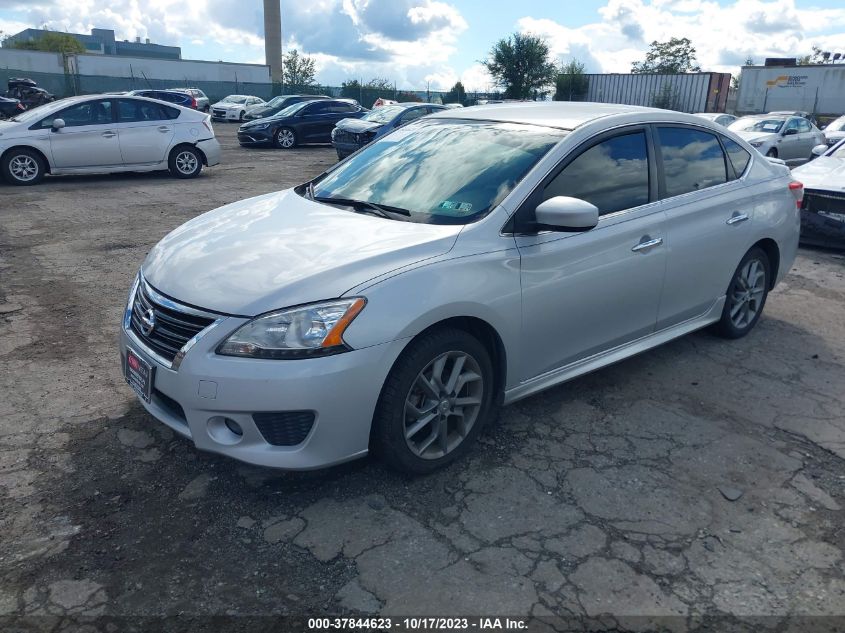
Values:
[(646, 244), (109, 134), (163, 128), (736, 218)]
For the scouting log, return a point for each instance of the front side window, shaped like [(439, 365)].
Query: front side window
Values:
[(737, 156), (82, 114), (612, 175), (791, 125), (692, 160), (804, 126), (317, 108), (443, 171)]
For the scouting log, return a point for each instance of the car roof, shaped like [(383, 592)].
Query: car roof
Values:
[(565, 115)]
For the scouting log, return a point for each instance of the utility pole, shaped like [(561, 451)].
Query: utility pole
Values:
[(273, 43)]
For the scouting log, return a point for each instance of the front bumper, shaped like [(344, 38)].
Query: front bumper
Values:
[(344, 149), (211, 148), (219, 114), (341, 391), (255, 137)]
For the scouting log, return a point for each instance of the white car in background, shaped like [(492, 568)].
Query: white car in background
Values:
[(717, 117), (787, 137), (835, 131), (234, 107), (105, 133)]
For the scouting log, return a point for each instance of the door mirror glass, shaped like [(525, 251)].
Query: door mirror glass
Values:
[(58, 124), (563, 213), (818, 150)]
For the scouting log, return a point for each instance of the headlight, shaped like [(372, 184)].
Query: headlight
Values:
[(755, 143), (259, 126), (303, 332)]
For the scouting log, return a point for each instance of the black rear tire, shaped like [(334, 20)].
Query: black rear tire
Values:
[(744, 302), (23, 167), (772, 153), (388, 437), (185, 162)]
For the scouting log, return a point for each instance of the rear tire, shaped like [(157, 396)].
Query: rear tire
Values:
[(23, 167), (434, 403), (185, 162), (746, 295)]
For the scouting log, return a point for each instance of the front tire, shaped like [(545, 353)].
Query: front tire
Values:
[(23, 167), (434, 403), (746, 295), (241, 116), (772, 153), (284, 138), (185, 162)]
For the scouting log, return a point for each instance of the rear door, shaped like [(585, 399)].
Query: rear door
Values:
[(146, 130), (89, 137), (709, 216)]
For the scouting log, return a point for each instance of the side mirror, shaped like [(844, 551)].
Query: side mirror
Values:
[(58, 124), (563, 213), (790, 132), (818, 150)]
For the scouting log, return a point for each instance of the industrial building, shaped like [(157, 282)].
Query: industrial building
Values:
[(102, 42)]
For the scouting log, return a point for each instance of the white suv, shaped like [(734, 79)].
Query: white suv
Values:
[(105, 133)]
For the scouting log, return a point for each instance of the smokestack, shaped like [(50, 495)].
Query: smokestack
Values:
[(273, 41)]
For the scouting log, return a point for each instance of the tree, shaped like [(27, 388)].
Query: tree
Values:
[(298, 70), (735, 80), (667, 98), (571, 83), (816, 57), (51, 43), (351, 89), (675, 56), (456, 94), (521, 65)]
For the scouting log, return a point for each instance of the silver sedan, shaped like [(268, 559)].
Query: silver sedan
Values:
[(459, 263)]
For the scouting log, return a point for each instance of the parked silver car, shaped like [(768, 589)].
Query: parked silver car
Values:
[(789, 138), (466, 260), (105, 133)]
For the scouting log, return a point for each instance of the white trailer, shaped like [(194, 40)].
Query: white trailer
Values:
[(819, 89)]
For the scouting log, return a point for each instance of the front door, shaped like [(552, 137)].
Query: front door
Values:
[(89, 137), (585, 293)]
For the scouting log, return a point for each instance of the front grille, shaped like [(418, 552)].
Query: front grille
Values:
[(284, 428), (219, 113), (172, 329), (342, 136)]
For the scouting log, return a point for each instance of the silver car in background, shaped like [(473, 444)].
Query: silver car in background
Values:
[(461, 262), (105, 133), (789, 138), (717, 117)]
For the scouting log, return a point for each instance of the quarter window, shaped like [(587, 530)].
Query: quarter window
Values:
[(613, 175), (737, 156), (692, 160)]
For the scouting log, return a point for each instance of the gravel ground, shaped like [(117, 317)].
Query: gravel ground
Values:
[(700, 480)]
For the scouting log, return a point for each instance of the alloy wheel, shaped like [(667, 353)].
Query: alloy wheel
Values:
[(24, 168), (186, 162), (443, 404), (285, 139), (747, 293)]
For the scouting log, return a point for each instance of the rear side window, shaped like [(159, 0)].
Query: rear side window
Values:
[(613, 175), (692, 160), (131, 111), (737, 156)]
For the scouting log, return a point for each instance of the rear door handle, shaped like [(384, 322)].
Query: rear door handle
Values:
[(109, 134), (646, 244), (736, 218), (163, 128)]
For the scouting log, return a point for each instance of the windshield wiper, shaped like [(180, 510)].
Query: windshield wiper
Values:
[(384, 211)]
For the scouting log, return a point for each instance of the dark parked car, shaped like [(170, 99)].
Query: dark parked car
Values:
[(277, 104), (10, 107), (171, 96), (203, 102), (349, 135), (305, 122)]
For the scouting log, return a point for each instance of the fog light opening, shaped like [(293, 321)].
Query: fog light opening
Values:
[(225, 430)]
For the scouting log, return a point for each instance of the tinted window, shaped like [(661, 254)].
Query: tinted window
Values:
[(692, 160), (410, 115), (130, 111), (738, 157), (88, 113), (613, 175), (339, 107), (317, 108)]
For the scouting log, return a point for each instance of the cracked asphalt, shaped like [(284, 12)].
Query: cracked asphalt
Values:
[(700, 482)]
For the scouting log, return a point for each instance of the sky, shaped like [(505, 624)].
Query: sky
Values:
[(419, 43)]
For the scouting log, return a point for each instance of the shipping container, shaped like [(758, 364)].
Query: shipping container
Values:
[(819, 89), (686, 92)]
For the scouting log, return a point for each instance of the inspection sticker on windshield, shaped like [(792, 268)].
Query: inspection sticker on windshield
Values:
[(459, 208)]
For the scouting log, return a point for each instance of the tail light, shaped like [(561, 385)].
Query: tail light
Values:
[(193, 103), (797, 190), (207, 123), (21, 107)]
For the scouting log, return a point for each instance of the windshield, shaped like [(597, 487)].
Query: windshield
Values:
[(290, 110), (234, 99), (754, 124), (443, 171), (383, 114), (837, 126)]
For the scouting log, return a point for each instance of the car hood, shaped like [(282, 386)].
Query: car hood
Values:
[(357, 125), (756, 137), (280, 250), (835, 136), (824, 172), (261, 111)]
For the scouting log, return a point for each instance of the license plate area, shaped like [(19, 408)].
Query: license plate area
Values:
[(139, 374)]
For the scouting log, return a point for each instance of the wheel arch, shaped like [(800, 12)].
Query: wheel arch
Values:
[(770, 247), (31, 148), (187, 144)]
